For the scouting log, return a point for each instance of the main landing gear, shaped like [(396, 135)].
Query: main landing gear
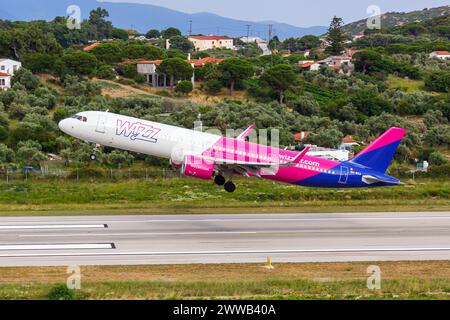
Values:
[(220, 180)]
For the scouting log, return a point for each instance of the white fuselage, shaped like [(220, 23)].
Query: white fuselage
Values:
[(137, 135)]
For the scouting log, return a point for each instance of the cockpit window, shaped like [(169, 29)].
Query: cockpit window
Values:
[(79, 118)]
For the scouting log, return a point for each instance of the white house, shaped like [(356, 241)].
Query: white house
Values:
[(5, 81), (202, 43), (9, 66), (7, 69), (155, 79), (440, 55)]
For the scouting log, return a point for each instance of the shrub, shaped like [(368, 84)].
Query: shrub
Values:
[(437, 158), (213, 87), (61, 292), (105, 71), (184, 87)]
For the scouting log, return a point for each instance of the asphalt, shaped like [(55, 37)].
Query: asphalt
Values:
[(180, 239)]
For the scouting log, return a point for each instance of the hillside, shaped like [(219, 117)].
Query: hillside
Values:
[(394, 19), (143, 17)]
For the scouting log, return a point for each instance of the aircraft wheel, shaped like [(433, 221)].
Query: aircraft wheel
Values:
[(219, 180), (230, 186)]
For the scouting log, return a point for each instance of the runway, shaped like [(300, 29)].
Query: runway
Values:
[(168, 239)]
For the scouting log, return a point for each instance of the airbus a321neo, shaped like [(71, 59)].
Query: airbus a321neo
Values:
[(209, 156)]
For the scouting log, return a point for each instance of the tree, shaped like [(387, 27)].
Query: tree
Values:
[(143, 51), (181, 43), (370, 103), (213, 87), (170, 32), (437, 158), (336, 35), (119, 34), (109, 52), (175, 68), (438, 81), (184, 87), (280, 78), (78, 63), (6, 154), (26, 78), (310, 41), (118, 158), (234, 70), (99, 27), (29, 153), (153, 34), (370, 61), (105, 71)]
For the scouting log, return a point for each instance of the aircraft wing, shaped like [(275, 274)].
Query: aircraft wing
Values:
[(245, 134), (246, 167)]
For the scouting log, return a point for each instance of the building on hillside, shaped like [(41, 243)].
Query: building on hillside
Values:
[(309, 65), (8, 68), (158, 80), (202, 43), (444, 55), (5, 81), (348, 143)]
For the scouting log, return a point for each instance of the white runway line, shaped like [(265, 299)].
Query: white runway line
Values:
[(65, 246), (137, 234), (53, 226), (90, 254)]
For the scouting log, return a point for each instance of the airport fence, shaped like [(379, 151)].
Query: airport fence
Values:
[(77, 174)]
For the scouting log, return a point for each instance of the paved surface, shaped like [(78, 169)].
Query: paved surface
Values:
[(35, 241)]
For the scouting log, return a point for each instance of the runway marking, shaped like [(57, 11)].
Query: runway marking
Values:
[(54, 226), (280, 219), (138, 234), (275, 251), (63, 246)]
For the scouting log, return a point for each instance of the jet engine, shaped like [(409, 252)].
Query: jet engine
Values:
[(197, 167)]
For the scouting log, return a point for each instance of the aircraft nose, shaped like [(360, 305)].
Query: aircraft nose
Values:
[(64, 125)]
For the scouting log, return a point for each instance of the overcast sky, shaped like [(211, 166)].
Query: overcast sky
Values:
[(297, 12)]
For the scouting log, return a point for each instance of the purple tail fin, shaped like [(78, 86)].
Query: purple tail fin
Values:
[(378, 155)]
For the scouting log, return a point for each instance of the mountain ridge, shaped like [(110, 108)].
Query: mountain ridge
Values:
[(144, 17)]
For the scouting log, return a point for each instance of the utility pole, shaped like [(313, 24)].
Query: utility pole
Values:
[(248, 32), (270, 31), (190, 27)]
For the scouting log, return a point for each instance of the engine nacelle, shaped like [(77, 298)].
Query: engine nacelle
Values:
[(197, 167)]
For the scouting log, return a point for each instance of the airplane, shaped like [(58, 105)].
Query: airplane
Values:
[(210, 156)]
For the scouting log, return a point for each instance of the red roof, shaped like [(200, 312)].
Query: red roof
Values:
[(348, 139), (307, 64), (211, 37), (198, 63), (157, 62), (201, 62), (90, 47), (2, 74), (442, 53)]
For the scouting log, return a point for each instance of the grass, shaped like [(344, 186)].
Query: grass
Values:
[(399, 280), (406, 85), (182, 195)]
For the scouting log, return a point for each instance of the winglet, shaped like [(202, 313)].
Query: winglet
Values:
[(297, 158), (300, 156), (245, 134)]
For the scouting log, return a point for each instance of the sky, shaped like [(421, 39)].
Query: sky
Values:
[(302, 13)]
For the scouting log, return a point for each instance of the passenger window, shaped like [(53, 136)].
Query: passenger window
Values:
[(84, 119)]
